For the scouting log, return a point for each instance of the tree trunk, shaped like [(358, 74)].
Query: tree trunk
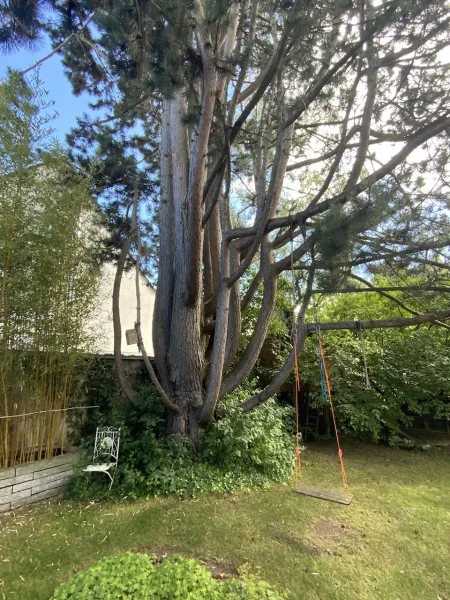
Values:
[(186, 366), (185, 424), (185, 351)]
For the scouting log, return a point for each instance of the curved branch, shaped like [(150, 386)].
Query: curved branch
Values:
[(220, 339), (382, 323), (140, 342), (267, 79), (273, 195), (237, 97), (117, 327), (250, 356), (364, 135), (422, 135), (286, 369)]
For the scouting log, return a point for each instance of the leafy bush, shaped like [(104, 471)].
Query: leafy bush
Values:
[(258, 441), (125, 576), (409, 370), (133, 576), (238, 451)]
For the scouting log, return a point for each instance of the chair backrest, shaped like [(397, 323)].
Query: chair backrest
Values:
[(107, 443)]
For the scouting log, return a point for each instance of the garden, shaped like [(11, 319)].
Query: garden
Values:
[(224, 300), (391, 542)]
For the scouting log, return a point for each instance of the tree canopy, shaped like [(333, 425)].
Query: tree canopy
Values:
[(262, 136)]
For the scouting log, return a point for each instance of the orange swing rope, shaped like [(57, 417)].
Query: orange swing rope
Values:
[(298, 458), (330, 399), (298, 451)]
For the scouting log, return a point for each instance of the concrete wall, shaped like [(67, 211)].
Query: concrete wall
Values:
[(102, 324), (35, 481)]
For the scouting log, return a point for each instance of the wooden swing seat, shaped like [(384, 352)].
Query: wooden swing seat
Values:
[(323, 494)]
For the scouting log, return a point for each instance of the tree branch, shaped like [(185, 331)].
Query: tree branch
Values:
[(164, 396), (392, 298), (58, 47), (382, 323), (220, 340), (271, 200), (117, 327), (286, 369), (250, 356), (434, 128), (266, 80), (166, 271), (393, 288)]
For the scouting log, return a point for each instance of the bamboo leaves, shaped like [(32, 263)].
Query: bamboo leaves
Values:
[(48, 278)]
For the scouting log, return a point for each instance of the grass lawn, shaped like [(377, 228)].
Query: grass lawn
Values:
[(392, 542)]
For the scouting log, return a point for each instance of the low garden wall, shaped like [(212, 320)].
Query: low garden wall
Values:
[(31, 482)]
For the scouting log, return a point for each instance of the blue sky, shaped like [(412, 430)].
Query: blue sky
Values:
[(51, 72)]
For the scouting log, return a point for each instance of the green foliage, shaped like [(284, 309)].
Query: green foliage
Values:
[(238, 451), (248, 587), (21, 24), (408, 368), (182, 579), (133, 576), (125, 576), (48, 269), (337, 228), (257, 441)]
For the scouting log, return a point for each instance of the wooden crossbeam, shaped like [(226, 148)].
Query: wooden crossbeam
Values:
[(323, 494)]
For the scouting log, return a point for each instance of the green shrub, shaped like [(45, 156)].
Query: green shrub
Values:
[(238, 451), (133, 576), (409, 375), (259, 441), (125, 576)]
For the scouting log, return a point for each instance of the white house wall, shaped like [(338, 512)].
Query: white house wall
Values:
[(103, 322)]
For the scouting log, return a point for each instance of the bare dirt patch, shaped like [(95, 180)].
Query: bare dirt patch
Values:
[(301, 546), (325, 537), (330, 532)]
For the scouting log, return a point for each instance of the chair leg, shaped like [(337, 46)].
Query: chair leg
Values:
[(112, 479)]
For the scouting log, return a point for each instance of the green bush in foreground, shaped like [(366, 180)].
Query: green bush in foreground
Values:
[(133, 576)]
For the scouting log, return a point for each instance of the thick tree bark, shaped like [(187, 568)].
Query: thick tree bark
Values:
[(166, 275), (185, 355)]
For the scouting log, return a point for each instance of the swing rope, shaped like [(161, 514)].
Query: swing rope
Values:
[(330, 400), (324, 379), (298, 451)]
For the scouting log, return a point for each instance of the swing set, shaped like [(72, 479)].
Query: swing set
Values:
[(344, 497), (301, 488)]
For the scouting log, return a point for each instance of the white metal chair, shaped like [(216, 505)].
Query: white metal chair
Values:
[(106, 444)]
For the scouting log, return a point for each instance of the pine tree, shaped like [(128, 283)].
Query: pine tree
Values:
[(210, 108)]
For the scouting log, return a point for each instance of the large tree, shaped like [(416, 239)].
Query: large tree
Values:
[(268, 135)]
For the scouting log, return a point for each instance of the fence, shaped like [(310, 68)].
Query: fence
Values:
[(33, 436)]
